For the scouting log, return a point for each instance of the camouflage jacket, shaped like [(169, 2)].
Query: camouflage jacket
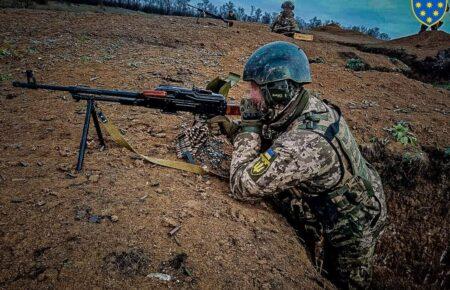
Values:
[(284, 23), (302, 158)]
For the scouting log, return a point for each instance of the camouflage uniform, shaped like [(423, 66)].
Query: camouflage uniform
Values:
[(285, 23), (316, 158)]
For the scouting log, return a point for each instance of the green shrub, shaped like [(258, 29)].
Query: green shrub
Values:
[(5, 77), (356, 64), (402, 133)]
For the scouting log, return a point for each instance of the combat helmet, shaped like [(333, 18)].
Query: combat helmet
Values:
[(277, 67), (287, 5)]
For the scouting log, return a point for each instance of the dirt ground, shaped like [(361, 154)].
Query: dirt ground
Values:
[(108, 226)]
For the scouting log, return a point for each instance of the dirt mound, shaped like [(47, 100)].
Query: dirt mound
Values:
[(335, 33), (331, 28), (92, 229), (423, 44)]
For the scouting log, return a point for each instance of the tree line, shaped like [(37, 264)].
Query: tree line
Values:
[(181, 8)]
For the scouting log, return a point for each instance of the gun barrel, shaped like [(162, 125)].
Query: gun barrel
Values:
[(169, 99), (76, 89)]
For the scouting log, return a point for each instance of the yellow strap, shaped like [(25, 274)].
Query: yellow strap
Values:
[(117, 136)]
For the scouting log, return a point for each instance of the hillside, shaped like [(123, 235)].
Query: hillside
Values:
[(48, 236)]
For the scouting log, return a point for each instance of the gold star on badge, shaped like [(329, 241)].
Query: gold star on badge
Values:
[(422, 13), (436, 13), (429, 19), (429, 4), (440, 4), (418, 4)]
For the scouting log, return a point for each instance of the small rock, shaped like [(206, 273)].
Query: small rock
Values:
[(160, 135), (138, 163), (94, 178), (160, 276), (154, 183), (114, 218), (169, 222), (40, 163), (24, 164), (81, 214), (95, 219), (71, 175), (159, 191), (142, 199), (64, 167), (16, 199), (41, 203)]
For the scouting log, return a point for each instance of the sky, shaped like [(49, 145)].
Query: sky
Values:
[(393, 17)]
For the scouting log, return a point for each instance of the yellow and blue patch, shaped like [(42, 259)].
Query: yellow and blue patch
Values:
[(263, 163), (429, 12)]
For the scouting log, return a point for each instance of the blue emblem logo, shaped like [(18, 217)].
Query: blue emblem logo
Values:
[(429, 12)]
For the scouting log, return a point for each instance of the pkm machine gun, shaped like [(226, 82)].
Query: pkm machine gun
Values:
[(169, 99)]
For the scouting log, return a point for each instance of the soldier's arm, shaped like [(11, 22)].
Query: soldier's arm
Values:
[(274, 23), (294, 25), (296, 156)]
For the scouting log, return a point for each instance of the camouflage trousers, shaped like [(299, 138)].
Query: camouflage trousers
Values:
[(349, 237)]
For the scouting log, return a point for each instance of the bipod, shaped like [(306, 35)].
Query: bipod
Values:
[(90, 112)]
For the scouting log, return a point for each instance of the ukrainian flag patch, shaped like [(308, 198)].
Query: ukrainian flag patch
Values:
[(263, 163)]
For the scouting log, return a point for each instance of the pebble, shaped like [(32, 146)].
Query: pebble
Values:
[(160, 135), (169, 222), (64, 167), (154, 183), (24, 164), (114, 218), (16, 199), (94, 178), (142, 199), (41, 203), (95, 219), (159, 190)]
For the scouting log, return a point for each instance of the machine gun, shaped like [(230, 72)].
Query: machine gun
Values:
[(212, 15), (169, 99)]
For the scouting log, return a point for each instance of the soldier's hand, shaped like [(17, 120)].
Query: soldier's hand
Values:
[(222, 125), (251, 116)]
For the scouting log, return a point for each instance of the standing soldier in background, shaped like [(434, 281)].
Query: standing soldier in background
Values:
[(312, 157), (231, 15), (285, 22)]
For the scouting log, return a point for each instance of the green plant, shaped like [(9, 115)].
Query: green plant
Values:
[(83, 38), (32, 50), (356, 64), (5, 77), (402, 133), (85, 58), (445, 86), (4, 52)]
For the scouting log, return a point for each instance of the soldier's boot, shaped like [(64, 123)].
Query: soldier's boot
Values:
[(354, 267)]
